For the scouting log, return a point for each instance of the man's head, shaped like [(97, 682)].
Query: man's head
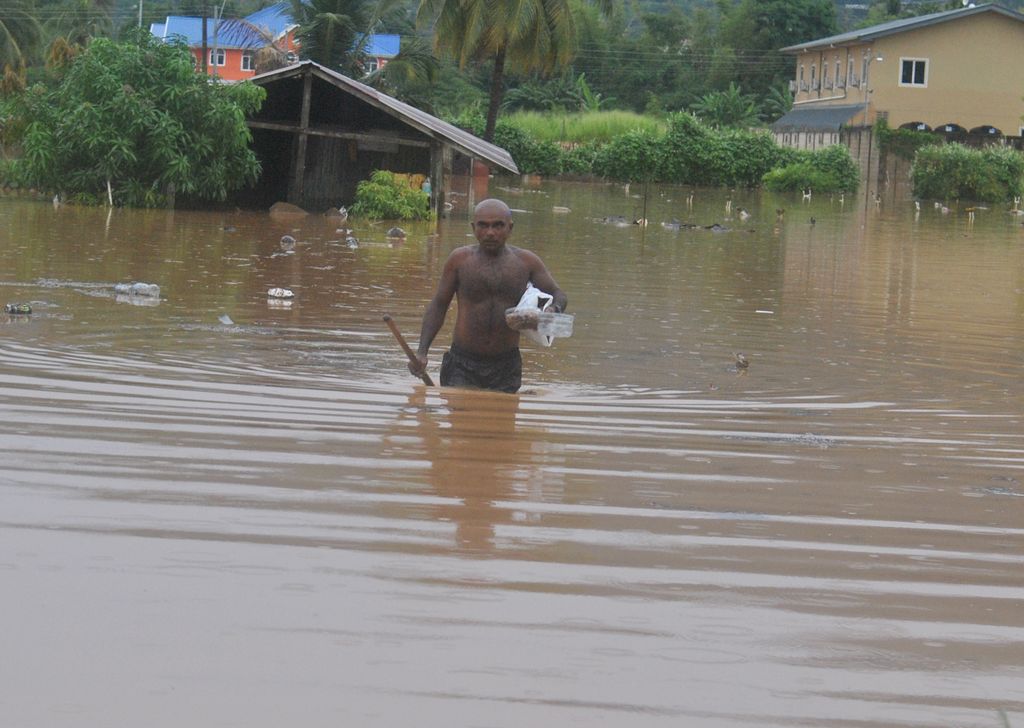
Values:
[(492, 224)]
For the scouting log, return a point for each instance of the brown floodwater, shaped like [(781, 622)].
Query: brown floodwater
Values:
[(223, 510)]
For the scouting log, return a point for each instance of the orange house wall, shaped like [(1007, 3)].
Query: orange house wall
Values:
[(232, 68)]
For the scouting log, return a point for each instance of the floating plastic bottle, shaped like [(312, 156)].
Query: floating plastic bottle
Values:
[(150, 290)]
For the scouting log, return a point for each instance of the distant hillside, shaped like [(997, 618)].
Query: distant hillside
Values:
[(849, 13)]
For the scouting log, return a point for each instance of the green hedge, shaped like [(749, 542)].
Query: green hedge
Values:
[(953, 171), (689, 152), (904, 143)]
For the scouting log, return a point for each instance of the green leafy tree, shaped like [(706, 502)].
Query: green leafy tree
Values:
[(524, 36), (130, 121), (761, 27)]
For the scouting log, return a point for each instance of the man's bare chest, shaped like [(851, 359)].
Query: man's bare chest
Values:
[(485, 280)]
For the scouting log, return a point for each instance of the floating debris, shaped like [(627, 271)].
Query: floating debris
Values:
[(280, 293), (225, 319), (18, 309), (149, 290)]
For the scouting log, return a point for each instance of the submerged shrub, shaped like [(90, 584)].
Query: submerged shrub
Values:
[(953, 171), (384, 197), (631, 157), (693, 153), (579, 159), (830, 170)]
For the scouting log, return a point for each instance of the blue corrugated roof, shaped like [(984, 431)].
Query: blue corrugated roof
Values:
[(229, 33), (901, 26), (276, 18), (383, 44)]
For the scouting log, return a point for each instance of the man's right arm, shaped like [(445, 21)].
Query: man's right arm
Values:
[(437, 309)]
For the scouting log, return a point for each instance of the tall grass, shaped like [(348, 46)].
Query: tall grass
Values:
[(585, 126)]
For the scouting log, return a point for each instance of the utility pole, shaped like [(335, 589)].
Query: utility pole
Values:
[(206, 50), (140, 13)]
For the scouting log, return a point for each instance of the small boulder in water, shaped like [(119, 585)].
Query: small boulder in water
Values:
[(286, 209), (396, 232)]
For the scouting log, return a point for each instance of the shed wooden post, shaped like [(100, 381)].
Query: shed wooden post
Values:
[(299, 168), (438, 187)]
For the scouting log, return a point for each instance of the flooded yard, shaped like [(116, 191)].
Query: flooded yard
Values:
[(219, 509)]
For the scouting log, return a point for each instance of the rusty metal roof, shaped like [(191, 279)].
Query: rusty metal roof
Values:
[(817, 118), (418, 119)]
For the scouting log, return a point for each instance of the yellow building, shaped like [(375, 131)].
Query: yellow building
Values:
[(952, 72)]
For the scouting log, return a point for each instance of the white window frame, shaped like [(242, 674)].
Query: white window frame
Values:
[(915, 61), (248, 61), (222, 56)]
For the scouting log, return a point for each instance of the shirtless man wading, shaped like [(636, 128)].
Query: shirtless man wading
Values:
[(486, 278)]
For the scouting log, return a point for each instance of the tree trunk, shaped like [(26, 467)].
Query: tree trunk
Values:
[(497, 91)]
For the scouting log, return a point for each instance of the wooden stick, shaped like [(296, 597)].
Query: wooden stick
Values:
[(405, 347)]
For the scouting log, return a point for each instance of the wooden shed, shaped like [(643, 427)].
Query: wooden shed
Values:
[(320, 133)]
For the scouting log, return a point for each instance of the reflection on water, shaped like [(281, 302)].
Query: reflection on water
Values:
[(228, 509)]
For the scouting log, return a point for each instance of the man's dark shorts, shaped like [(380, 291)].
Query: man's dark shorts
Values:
[(503, 373)]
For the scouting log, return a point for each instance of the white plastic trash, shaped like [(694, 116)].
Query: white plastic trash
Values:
[(533, 307), (280, 293)]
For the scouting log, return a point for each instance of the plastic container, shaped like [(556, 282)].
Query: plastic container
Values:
[(150, 290), (555, 324)]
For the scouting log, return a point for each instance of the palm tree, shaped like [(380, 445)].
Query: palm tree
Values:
[(526, 35), (409, 75), (335, 33), (730, 108), (79, 21), (20, 33)]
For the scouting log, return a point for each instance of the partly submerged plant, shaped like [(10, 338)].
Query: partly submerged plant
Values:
[(385, 197)]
